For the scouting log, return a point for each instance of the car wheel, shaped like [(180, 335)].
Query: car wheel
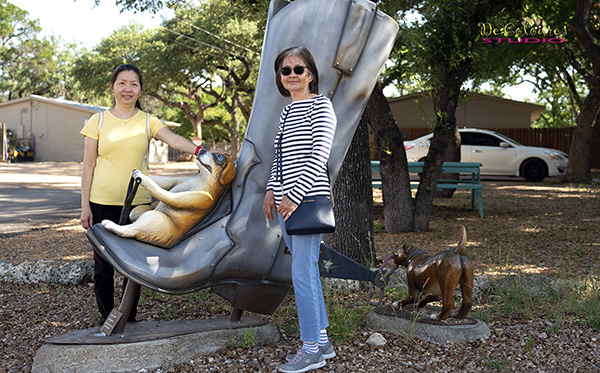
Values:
[(534, 170)]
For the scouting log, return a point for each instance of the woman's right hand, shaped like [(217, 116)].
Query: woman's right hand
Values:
[(269, 205), (87, 219)]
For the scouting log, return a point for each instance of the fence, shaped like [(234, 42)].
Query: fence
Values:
[(555, 138)]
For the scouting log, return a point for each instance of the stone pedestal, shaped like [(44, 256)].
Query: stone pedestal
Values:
[(149, 345), (419, 325)]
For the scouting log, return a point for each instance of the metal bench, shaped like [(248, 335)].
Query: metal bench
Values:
[(470, 168)]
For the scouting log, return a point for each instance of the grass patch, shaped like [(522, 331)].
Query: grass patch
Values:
[(345, 321), (557, 301), (247, 341)]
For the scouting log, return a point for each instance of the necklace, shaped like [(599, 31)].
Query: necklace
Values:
[(120, 116)]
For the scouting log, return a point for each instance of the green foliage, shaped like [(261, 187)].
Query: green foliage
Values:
[(93, 69), (496, 364), (344, 322), (248, 340), (145, 5), (438, 38), (547, 66), (203, 63), (28, 65)]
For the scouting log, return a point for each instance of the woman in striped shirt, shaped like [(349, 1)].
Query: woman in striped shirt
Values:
[(302, 146)]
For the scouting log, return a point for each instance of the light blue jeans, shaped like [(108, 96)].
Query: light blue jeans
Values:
[(312, 314)]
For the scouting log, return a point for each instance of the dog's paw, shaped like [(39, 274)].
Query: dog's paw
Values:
[(108, 224)]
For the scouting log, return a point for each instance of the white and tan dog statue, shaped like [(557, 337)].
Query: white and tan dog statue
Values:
[(184, 201)]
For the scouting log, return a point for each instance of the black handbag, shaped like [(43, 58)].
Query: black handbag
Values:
[(314, 215)]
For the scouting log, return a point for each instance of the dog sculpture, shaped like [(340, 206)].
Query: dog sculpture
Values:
[(184, 201), (436, 277)]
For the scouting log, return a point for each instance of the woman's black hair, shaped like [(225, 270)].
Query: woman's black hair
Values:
[(308, 59), (128, 67)]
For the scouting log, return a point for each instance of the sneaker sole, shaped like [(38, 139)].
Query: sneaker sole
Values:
[(330, 355), (305, 369)]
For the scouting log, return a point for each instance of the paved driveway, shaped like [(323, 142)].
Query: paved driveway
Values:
[(37, 194)]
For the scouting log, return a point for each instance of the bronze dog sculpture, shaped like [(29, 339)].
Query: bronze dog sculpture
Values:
[(184, 201), (436, 277)]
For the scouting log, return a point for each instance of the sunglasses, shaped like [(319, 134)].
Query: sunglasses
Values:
[(298, 70)]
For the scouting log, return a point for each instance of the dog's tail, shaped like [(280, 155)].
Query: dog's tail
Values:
[(462, 243)]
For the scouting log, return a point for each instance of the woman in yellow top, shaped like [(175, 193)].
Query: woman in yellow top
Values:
[(112, 151)]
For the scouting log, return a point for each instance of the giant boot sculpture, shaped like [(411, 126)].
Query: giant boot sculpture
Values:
[(237, 251)]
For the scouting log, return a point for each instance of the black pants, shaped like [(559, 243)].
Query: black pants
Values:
[(103, 270)]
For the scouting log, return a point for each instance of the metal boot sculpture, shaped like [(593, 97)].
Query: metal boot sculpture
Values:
[(237, 251)]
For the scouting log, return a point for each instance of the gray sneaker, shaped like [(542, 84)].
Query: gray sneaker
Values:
[(303, 362), (327, 350)]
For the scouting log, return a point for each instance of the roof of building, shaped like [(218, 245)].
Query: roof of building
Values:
[(534, 109), (69, 104), (56, 101)]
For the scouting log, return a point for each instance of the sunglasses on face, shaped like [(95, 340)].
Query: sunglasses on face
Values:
[(298, 70)]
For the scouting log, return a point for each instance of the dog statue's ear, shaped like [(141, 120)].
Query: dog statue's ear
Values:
[(228, 173), (400, 249)]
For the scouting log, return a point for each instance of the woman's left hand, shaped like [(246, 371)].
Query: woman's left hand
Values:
[(286, 208)]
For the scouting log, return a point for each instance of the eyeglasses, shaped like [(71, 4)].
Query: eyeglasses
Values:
[(298, 70)]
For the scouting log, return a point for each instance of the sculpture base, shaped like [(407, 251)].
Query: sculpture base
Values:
[(149, 345), (417, 324)]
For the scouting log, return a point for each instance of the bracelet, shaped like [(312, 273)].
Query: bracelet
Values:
[(198, 150)]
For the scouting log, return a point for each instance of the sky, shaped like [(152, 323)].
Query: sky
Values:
[(82, 20)]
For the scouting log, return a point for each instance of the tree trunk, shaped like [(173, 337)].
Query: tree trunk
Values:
[(432, 171), (445, 135), (395, 180), (353, 202), (580, 153), (582, 144), (451, 154), (198, 126), (233, 130)]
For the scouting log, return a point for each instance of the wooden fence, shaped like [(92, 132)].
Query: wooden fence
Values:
[(555, 138)]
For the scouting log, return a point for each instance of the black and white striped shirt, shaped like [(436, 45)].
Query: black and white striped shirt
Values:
[(308, 127)]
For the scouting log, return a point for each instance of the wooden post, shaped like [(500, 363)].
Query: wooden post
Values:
[(3, 138)]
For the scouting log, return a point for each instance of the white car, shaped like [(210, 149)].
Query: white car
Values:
[(498, 154)]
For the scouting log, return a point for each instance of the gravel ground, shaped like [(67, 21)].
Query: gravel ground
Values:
[(544, 229)]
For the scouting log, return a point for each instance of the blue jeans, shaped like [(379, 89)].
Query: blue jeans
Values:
[(312, 314)]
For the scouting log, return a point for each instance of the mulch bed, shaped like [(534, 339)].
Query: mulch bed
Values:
[(548, 229)]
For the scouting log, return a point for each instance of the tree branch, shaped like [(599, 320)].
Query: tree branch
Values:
[(579, 25)]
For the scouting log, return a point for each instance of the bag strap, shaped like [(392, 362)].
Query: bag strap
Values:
[(312, 107), (279, 153), (100, 122), (149, 140)]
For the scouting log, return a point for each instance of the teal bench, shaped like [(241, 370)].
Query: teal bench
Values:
[(469, 168)]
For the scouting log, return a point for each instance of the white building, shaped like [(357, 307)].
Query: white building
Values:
[(52, 126)]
